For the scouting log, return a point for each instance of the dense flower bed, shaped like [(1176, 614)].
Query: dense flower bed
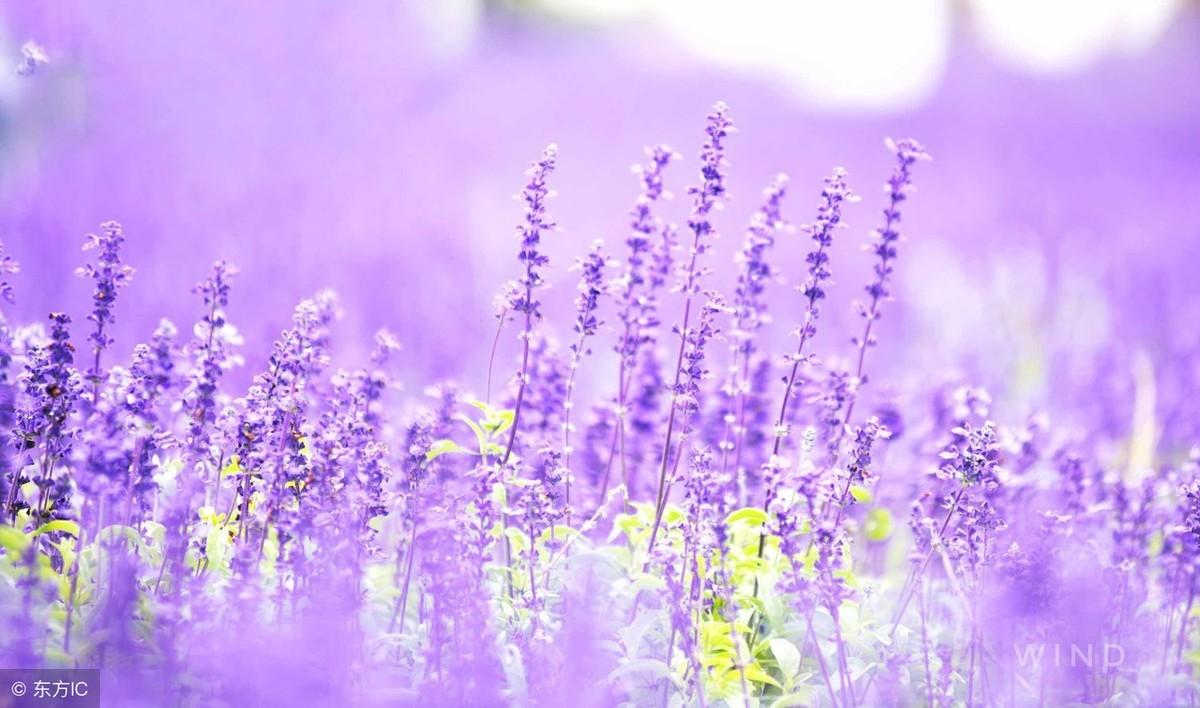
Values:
[(703, 522)]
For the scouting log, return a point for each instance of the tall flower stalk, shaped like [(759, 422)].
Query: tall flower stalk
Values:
[(834, 196), (109, 275), (706, 196), (536, 222), (908, 152), (52, 388), (749, 315), (634, 292), (210, 355), (591, 288), (685, 398), (899, 185)]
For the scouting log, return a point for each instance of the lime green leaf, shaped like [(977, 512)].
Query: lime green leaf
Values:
[(558, 532), (64, 525), (234, 467), (754, 672), (861, 494), (442, 447), (878, 525), (500, 422), (1156, 543), (480, 436), (12, 540), (751, 516), (517, 539)]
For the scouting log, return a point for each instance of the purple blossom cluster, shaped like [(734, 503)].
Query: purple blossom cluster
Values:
[(644, 515)]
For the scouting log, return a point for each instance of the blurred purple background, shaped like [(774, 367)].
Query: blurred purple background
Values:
[(374, 147)]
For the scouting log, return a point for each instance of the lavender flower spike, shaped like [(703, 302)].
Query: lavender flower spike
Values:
[(210, 360), (635, 290), (537, 220), (829, 219), (899, 186), (749, 314), (705, 197), (834, 195), (110, 275), (52, 387), (685, 395), (591, 287)]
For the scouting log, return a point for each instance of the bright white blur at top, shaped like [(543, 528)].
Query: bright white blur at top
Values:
[(848, 54), (873, 54)]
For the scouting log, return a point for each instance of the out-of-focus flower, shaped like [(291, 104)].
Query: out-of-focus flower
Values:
[(33, 57)]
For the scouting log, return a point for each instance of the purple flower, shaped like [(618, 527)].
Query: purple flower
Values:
[(151, 377), (537, 220), (829, 219), (586, 323), (859, 467), (694, 371), (546, 396), (749, 314), (689, 370), (109, 275), (973, 458), (642, 258), (152, 374), (711, 191), (749, 307), (8, 266), (52, 386), (636, 291), (686, 393), (591, 281), (908, 152), (271, 427), (705, 197), (33, 57), (209, 351)]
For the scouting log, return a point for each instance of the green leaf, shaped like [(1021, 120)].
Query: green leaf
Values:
[(442, 447), (234, 467), (64, 525), (1156, 543), (480, 436), (861, 494), (754, 672), (878, 525), (750, 516), (517, 539), (558, 532), (787, 656), (12, 540), (500, 422)]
